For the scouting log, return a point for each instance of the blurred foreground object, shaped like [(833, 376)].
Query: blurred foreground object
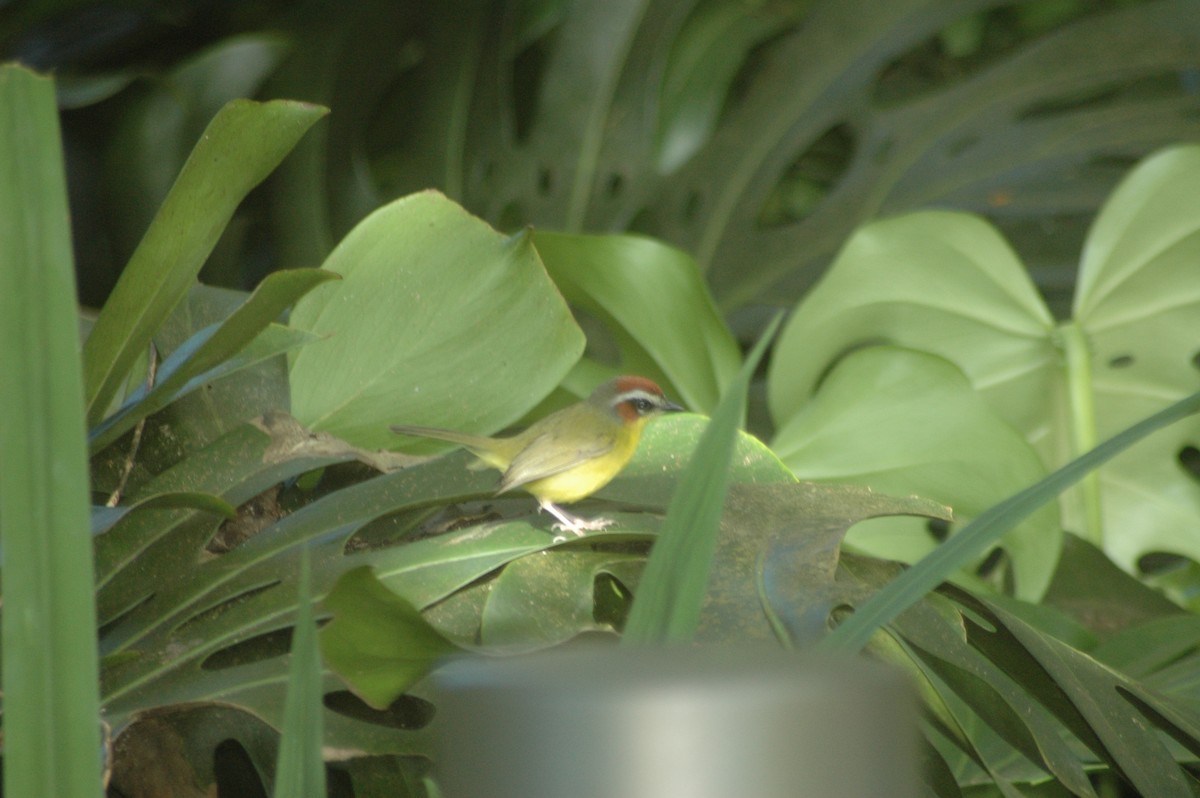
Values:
[(675, 723)]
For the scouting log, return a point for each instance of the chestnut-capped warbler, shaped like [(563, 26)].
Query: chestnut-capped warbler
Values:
[(571, 453)]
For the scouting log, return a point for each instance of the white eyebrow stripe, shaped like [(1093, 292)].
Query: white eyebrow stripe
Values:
[(637, 393)]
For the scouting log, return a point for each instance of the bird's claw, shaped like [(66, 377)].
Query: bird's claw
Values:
[(579, 527)]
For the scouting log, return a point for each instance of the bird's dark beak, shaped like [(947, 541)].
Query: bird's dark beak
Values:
[(671, 407)]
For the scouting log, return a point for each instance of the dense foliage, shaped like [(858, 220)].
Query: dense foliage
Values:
[(686, 166)]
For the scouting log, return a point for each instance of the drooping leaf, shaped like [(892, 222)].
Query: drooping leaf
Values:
[(424, 284), (377, 641), (655, 306)]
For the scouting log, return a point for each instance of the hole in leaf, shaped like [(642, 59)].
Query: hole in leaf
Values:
[(643, 222), (939, 529), (809, 179), (1189, 458), (965, 46), (227, 604), (1120, 362), (1157, 563), (545, 181), (1086, 98), (614, 185), (512, 217), (961, 144), (234, 771), (1196, 360), (106, 626), (612, 601), (990, 563), (252, 517), (258, 648), (527, 70), (406, 712), (389, 529)]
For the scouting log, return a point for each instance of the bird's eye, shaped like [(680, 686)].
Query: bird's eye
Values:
[(643, 405)]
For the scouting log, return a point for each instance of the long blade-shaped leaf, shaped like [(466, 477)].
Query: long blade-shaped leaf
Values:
[(985, 530), (217, 347), (51, 692), (244, 142), (671, 592), (300, 770)]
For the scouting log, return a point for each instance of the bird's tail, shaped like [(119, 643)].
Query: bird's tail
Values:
[(483, 448)]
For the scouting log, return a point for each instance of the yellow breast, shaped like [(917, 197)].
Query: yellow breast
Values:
[(586, 478)]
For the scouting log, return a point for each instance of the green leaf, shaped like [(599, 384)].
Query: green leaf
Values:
[(774, 571), (164, 116), (1137, 303), (104, 518), (439, 320), (1101, 596), (244, 142), (654, 304), (943, 442), (300, 768), (1126, 354), (996, 696), (704, 61), (672, 589), (986, 529), (377, 642), (1103, 708), (52, 716), (939, 282), (546, 598), (243, 339)]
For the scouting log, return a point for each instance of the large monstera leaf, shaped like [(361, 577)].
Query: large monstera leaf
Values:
[(754, 136), (948, 284)]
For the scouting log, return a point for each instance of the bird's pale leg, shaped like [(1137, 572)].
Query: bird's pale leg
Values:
[(572, 523)]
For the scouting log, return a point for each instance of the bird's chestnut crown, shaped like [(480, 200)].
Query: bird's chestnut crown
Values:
[(633, 398)]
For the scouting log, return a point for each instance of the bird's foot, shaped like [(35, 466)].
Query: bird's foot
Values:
[(573, 523)]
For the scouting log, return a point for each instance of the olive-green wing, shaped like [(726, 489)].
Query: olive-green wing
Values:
[(549, 454)]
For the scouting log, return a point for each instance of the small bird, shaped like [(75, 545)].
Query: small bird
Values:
[(571, 453)]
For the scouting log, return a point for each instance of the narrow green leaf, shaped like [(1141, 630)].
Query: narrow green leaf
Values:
[(204, 355), (244, 142), (300, 769), (50, 682), (671, 592), (105, 518), (1106, 710), (377, 641), (984, 531)]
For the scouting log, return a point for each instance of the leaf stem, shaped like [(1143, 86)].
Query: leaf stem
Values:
[(1081, 400)]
